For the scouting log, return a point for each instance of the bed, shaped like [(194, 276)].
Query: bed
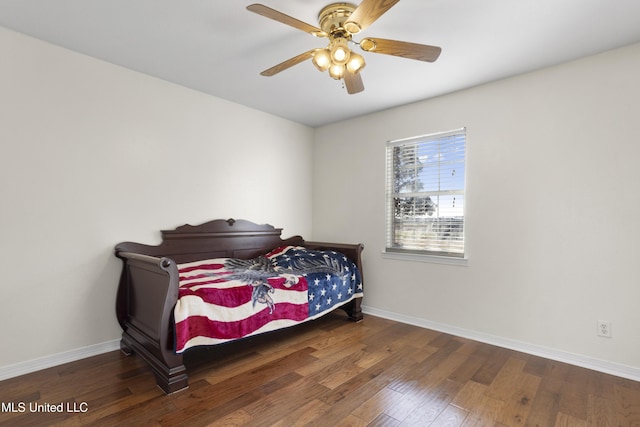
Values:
[(226, 280)]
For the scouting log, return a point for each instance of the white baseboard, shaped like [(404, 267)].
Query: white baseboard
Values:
[(22, 368), (611, 368)]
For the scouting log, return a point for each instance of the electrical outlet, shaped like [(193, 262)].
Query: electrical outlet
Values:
[(604, 328)]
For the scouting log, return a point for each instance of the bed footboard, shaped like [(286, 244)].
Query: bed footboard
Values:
[(147, 294), (354, 253)]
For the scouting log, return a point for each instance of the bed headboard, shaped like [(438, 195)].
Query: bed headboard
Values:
[(219, 238)]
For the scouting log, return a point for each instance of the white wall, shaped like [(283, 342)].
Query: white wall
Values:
[(93, 154), (552, 209)]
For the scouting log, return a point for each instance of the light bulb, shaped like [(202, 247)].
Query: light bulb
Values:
[(339, 55), (339, 50)]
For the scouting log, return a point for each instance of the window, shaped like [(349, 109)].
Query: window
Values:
[(425, 194)]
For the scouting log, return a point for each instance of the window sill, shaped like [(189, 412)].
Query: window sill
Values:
[(463, 262)]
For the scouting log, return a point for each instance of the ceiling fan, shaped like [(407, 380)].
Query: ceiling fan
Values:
[(339, 22)]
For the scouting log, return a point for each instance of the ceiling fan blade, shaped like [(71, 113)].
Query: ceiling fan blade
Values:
[(353, 82), (286, 19), (288, 63), (367, 12), (421, 52)]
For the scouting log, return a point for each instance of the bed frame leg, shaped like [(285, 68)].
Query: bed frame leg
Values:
[(125, 349), (168, 369), (354, 310), (172, 381)]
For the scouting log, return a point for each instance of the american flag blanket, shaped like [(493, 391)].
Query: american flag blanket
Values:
[(226, 299)]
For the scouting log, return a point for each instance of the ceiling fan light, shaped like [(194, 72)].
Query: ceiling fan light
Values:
[(355, 63), (340, 55), (339, 50), (322, 59), (336, 71)]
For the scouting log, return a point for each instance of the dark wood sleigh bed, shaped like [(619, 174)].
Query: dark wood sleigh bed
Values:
[(149, 284)]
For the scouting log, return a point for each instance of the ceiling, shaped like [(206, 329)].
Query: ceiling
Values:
[(220, 48)]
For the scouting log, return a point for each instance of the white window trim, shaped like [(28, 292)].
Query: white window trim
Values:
[(434, 259)]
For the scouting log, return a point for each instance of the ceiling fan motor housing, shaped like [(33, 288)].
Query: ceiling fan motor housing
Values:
[(332, 20)]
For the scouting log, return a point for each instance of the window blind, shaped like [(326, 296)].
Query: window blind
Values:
[(425, 194)]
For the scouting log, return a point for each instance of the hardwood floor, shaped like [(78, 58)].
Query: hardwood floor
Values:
[(330, 373)]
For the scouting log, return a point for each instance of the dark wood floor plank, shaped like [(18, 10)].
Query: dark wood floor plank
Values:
[(487, 373), (546, 404), (282, 399), (325, 359), (433, 404), (376, 405), (566, 420), (573, 398), (627, 405), (485, 412), (467, 370), (518, 403), (470, 396), (441, 371), (544, 410), (236, 419), (331, 372), (304, 414), (599, 410), (452, 416), (535, 366), (506, 380), (384, 420), (121, 410)]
